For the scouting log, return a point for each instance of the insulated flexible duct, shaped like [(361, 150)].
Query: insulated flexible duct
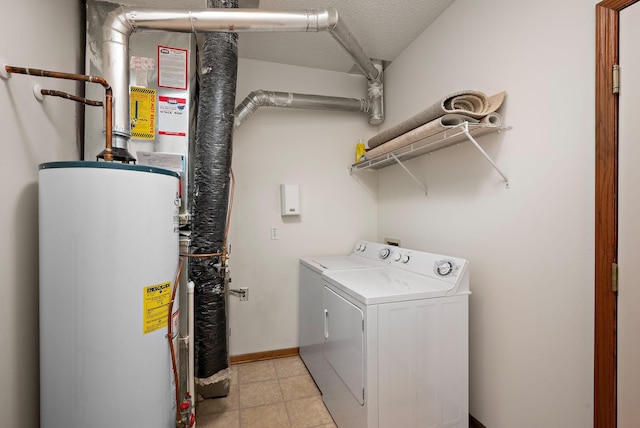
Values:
[(213, 148)]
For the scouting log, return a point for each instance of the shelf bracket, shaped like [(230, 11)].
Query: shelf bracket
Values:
[(466, 132), (410, 174)]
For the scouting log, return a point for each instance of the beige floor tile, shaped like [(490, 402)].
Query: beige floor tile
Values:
[(217, 405), (259, 393), (327, 426), (234, 374), (291, 366), (219, 420), (296, 387), (269, 416), (253, 372), (308, 412)]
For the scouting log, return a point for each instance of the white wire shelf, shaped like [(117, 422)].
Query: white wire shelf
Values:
[(458, 134)]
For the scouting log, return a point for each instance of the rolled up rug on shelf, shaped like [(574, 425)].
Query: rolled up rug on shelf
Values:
[(494, 118), (470, 103), (444, 123)]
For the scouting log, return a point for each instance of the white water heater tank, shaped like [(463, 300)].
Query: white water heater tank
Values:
[(108, 258)]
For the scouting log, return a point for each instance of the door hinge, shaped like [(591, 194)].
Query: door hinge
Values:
[(615, 84), (614, 277)]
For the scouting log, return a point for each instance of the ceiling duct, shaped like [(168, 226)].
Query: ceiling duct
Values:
[(122, 22), (262, 98)]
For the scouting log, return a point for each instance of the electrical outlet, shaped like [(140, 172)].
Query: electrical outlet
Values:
[(275, 233), (244, 294)]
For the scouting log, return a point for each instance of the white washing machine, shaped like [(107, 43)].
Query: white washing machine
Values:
[(394, 349)]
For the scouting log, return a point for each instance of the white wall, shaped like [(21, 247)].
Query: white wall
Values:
[(285, 146), (530, 247), (40, 35)]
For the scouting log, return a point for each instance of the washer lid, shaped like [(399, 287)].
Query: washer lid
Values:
[(321, 264), (386, 285)]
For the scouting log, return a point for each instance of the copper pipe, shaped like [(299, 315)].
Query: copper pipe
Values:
[(172, 351), (81, 78), (108, 94), (200, 256), (225, 255), (61, 94)]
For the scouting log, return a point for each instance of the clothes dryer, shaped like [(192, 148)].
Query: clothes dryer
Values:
[(363, 256)]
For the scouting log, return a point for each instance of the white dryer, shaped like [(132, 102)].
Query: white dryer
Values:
[(395, 342), (311, 333)]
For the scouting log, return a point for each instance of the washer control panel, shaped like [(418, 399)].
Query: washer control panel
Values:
[(395, 254), (373, 251), (437, 266), (384, 253), (445, 268)]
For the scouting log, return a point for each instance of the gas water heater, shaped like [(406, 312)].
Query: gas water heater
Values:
[(108, 259)]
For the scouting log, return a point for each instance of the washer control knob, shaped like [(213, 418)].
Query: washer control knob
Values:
[(444, 267), (405, 258), (363, 247), (397, 257), (384, 253)]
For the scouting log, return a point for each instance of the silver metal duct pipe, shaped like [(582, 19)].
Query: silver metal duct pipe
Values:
[(115, 56), (230, 20), (262, 98), (121, 23), (341, 33), (375, 94)]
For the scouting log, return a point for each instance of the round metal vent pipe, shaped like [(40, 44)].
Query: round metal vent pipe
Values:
[(262, 98), (122, 22)]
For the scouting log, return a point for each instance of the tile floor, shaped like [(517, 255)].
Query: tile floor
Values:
[(267, 394)]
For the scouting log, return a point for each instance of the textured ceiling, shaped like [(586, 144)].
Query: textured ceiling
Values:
[(384, 28)]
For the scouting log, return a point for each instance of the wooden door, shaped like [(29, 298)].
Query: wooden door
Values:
[(606, 213), (628, 326)]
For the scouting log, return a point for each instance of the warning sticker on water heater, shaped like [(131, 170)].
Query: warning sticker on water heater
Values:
[(156, 300)]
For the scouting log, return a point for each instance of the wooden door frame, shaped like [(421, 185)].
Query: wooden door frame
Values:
[(606, 213)]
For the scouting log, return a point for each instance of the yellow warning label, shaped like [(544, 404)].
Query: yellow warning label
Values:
[(143, 113), (156, 306)]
